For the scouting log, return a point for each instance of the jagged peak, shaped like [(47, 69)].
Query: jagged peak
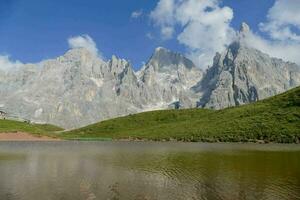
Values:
[(239, 41), (244, 28), (115, 58), (118, 65), (78, 51), (119, 62), (163, 57), (159, 49), (243, 33), (79, 54), (160, 52)]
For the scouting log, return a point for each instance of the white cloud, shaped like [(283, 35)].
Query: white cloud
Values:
[(204, 26), (164, 13), (283, 17), (136, 14), (167, 32), (275, 48), (149, 36), (84, 41), (6, 64)]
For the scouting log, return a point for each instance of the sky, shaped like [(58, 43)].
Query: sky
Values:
[(35, 30)]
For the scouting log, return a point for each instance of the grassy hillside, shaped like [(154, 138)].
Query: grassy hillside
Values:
[(38, 129), (276, 119)]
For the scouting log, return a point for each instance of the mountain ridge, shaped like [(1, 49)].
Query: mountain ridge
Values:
[(242, 74), (275, 119), (79, 88)]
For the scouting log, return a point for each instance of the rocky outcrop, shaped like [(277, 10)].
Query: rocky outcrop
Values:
[(79, 88), (168, 78), (242, 75)]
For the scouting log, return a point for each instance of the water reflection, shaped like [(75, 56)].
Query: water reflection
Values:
[(70, 170)]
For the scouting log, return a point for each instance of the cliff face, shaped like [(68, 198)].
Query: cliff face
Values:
[(79, 88), (168, 78), (242, 75)]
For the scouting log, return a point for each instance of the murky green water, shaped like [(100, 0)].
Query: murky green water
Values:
[(107, 170)]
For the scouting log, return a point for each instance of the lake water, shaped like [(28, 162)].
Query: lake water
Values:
[(126, 170)]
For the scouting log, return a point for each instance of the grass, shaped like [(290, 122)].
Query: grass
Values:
[(276, 119), (35, 129)]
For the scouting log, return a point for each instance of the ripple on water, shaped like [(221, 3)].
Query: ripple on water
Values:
[(148, 171)]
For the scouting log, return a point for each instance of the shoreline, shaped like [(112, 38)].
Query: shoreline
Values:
[(135, 140), (25, 137)]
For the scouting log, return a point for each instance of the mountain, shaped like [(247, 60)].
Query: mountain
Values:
[(242, 75), (168, 78), (79, 88), (276, 119), (73, 90)]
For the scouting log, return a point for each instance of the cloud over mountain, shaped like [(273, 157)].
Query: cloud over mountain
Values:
[(7, 64), (84, 41), (282, 26), (203, 26), (283, 17)]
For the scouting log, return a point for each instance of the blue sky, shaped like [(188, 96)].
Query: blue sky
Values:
[(33, 30)]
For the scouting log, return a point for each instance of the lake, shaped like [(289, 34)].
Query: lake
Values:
[(148, 170)]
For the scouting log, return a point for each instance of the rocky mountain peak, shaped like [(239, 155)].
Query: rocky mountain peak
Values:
[(243, 33), (238, 45), (244, 28), (164, 59), (115, 60), (242, 75), (79, 88), (118, 65), (78, 54), (158, 49), (161, 53)]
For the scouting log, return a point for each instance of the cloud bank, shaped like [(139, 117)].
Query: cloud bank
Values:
[(278, 49), (84, 41), (283, 17), (203, 26), (283, 27)]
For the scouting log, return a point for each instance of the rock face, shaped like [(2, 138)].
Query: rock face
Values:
[(168, 78), (79, 88), (242, 75), (73, 90)]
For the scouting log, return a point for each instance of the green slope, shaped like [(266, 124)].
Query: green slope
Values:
[(276, 119), (37, 129)]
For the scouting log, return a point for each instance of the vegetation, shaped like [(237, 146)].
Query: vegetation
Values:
[(36, 129), (276, 119)]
